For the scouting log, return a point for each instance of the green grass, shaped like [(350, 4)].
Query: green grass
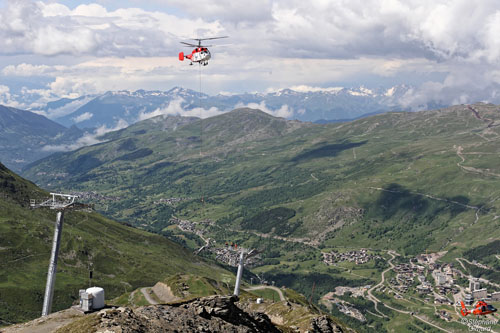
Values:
[(138, 299), (191, 286), (268, 294), (122, 258)]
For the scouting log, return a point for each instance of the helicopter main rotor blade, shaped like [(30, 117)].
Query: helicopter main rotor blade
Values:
[(189, 44), (200, 39)]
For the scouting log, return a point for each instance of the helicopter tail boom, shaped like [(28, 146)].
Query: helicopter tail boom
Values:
[(463, 310)]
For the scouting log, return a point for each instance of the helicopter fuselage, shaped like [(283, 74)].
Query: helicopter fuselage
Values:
[(199, 54)]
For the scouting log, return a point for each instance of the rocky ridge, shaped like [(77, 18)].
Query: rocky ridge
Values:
[(207, 314)]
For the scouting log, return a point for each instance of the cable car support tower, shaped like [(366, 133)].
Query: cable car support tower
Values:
[(60, 203)]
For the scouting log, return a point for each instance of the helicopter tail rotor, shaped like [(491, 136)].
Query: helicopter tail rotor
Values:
[(181, 56)]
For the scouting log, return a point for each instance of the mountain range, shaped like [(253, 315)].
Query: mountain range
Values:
[(26, 137), (315, 105)]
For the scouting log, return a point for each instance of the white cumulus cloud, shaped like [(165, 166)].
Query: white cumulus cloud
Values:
[(47, 28), (87, 139), (175, 108), (83, 117), (284, 111), (450, 48)]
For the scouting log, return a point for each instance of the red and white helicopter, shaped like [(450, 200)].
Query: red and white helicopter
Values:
[(200, 54), (481, 309)]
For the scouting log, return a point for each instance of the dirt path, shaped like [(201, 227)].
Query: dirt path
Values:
[(45, 324), (278, 290), (146, 292), (131, 298), (460, 154)]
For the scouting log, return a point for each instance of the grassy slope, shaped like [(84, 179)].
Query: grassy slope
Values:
[(123, 258)]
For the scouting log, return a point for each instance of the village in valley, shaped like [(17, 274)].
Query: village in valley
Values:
[(420, 282), (422, 287)]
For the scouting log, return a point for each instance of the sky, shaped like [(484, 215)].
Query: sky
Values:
[(448, 51)]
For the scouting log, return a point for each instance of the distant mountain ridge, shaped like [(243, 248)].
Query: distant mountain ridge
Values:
[(301, 104), (24, 133)]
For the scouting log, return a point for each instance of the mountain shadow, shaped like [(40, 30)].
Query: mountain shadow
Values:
[(395, 199), (326, 150)]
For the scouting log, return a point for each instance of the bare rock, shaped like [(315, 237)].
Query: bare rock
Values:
[(207, 314), (324, 324)]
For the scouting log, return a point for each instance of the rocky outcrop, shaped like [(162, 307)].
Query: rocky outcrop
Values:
[(208, 314), (324, 324)]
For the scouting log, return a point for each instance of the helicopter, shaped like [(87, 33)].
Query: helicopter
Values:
[(200, 54), (482, 308)]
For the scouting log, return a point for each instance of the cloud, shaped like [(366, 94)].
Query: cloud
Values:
[(275, 43), (25, 70), (228, 10), (6, 98), (87, 139), (83, 117), (304, 89), (284, 111), (67, 108), (52, 29), (175, 108)]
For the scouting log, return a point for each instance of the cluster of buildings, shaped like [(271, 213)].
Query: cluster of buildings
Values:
[(184, 225), (444, 315), (94, 196), (227, 255), (53, 174), (443, 276), (476, 293), (169, 201), (231, 256), (444, 280), (405, 275), (359, 257)]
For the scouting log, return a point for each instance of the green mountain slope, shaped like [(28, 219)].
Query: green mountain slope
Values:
[(122, 258), (407, 181)]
